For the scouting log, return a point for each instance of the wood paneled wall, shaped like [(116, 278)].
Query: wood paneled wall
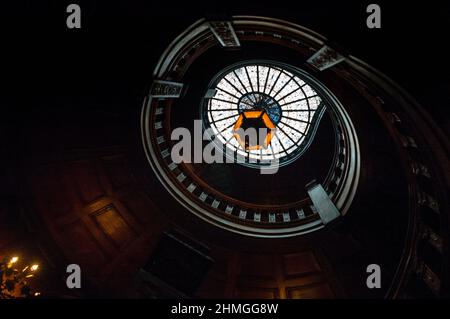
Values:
[(102, 219)]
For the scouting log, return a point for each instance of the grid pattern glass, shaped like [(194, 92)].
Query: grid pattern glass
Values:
[(288, 100)]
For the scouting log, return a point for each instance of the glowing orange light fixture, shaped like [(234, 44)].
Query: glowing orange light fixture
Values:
[(254, 119)]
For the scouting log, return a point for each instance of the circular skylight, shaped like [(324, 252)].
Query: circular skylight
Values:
[(283, 92)]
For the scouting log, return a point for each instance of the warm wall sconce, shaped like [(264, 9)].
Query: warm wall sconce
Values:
[(14, 283)]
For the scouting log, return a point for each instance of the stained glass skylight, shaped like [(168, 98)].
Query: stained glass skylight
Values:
[(290, 102)]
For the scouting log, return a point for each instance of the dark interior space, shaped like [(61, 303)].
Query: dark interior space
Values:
[(77, 186)]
